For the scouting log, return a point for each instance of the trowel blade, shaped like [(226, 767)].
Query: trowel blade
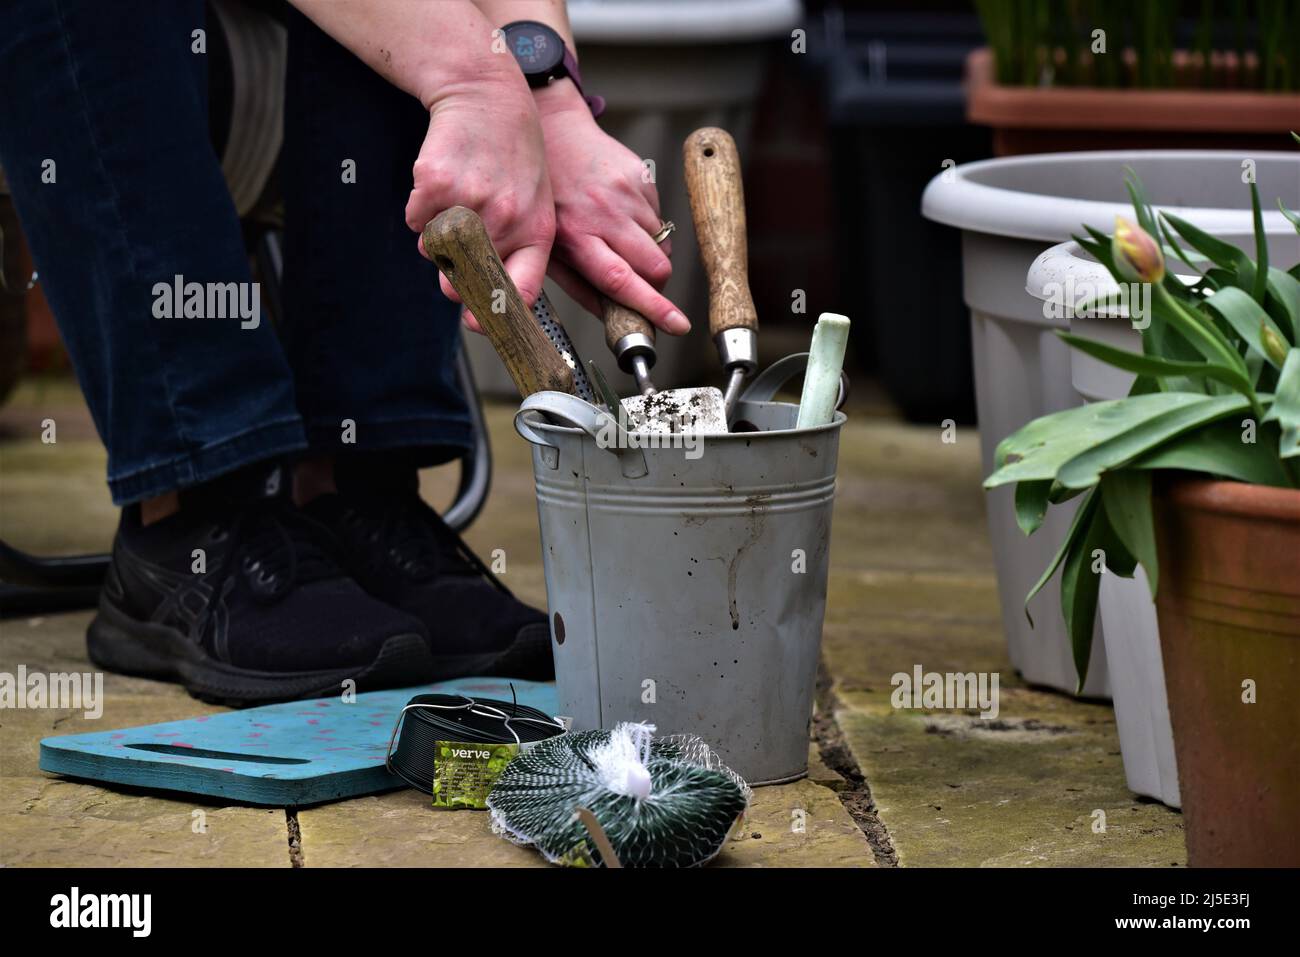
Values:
[(677, 410)]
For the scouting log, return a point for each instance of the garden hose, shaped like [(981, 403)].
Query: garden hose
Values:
[(428, 719)]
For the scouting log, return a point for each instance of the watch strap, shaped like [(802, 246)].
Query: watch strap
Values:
[(570, 65)]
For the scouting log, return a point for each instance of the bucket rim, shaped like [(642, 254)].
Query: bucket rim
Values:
[(536, 421)]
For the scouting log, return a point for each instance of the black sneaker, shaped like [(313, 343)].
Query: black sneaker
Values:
[(269, 615), (403, 553)]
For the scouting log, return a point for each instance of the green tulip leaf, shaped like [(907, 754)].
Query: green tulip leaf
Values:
[(1118, 558), (1061, 494), (1080, 585), (1293, 217), (1222, 451), (1173, 246), (1286, 406), (1247, 318), (1141, 204), (1039, 448), (1031, 504), (1085, 469), (1082, 521), (1151, 365), (1224, 255), (1260, 266), (1126, 496), (1284, 290)]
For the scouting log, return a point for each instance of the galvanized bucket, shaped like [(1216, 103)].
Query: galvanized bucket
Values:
[(687, 585)]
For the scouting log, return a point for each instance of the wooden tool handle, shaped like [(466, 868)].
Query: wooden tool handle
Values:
[(459, 246), (713, 183), (620, 321)]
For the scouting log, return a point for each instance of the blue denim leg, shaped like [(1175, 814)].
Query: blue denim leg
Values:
[(104, 139), (370, 337)]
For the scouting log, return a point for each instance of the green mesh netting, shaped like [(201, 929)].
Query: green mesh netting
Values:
[(662, 802)]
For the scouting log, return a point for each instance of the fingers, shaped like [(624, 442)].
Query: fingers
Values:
[(646, 216), (467, 319), (639, 250), (526, 266), (578, 288), (611, 274)]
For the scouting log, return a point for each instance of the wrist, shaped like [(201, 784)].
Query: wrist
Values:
[(559, 97), (492, 76)]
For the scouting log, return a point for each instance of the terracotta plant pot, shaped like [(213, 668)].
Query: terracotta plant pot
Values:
[(1028, 119), (1229, 610)]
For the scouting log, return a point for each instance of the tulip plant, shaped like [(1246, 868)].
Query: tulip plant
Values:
[(1217, 392)]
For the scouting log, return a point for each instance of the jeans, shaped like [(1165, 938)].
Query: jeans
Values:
[(104, 139)]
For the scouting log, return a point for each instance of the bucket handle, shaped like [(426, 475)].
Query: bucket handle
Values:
[(578, 413), (765, 385)]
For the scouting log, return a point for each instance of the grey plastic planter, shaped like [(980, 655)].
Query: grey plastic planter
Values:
[(665, 69), (1010, 210)]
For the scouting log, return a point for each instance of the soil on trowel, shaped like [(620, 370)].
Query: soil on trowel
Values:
[(667, 411)]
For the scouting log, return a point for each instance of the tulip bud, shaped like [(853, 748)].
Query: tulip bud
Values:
[(1137, 256), (1274, 347)]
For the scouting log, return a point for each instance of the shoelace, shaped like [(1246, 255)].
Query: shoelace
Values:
[(423, 544), (276, 548)]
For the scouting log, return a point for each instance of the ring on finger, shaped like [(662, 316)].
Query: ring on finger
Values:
[(666, 228)]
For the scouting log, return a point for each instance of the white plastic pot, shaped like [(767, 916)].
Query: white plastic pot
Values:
[(665, 69), (1127, 612), (1010, 210)]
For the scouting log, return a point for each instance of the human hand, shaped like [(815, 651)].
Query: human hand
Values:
[(484, 150), (606, 212)]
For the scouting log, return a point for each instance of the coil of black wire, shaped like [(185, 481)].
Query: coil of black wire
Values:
[(430, 718)]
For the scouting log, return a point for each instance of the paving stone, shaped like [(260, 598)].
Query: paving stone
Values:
[(802, 824), (57, 644), (46, 822), (913, 583), (819, 773), (1024, 789), (402, 829)]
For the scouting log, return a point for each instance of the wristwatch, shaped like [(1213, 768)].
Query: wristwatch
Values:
[(543, 57)]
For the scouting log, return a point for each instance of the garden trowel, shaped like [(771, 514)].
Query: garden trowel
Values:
[(713, 182), (631, 338), (533, 345)]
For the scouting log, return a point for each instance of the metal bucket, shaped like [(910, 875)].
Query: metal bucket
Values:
[(687, 586)]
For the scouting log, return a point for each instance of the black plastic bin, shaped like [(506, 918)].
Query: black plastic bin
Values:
[(897, 109)]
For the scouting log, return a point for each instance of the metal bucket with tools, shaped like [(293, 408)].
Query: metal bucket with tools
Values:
[(685, 559), (686, 586)]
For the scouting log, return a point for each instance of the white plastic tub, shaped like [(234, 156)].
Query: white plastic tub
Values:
[(1009, 211), (1127, 612)]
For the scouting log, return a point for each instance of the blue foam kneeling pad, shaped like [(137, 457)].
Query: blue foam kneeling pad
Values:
[(284, 755)]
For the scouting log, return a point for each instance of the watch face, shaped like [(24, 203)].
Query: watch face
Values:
[(536, 46)]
